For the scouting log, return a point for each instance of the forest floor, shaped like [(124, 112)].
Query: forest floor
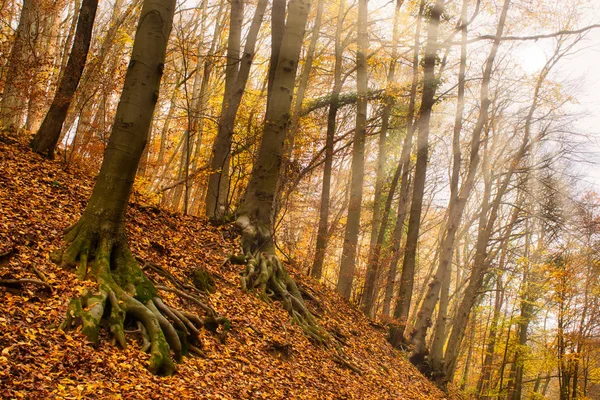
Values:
[(264, 357)]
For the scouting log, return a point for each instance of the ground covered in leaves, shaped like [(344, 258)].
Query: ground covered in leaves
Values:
[(264, 356)]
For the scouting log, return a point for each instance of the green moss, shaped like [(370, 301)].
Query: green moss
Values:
[(129, 276), (203, 280), (160, 361)]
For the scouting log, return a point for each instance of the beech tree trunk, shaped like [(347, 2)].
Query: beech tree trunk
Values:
[(380, 220), (264, 272), (13, 100), (348, 263), (46, 139), (237, 72), (323, 227), (99, 236)]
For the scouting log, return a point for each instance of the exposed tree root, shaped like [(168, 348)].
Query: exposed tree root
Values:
[(125, 296), (265, 274)]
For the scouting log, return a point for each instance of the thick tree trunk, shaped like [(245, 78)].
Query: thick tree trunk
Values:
[(278, 8), (323, 227), (46, 139), (348, 263), (99, 236), (256, 217)]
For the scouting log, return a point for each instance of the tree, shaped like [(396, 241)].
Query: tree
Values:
[(380, 220), (46, 139), (11, 105), (430, 84), (238, 69), (98, 241), (323, 226), (347, 264), (264, 272)]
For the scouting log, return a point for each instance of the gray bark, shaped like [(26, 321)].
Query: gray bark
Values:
[(322, 231), (347, 265)]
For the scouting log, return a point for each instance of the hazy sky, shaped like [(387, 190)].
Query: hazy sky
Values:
[(583, 69)]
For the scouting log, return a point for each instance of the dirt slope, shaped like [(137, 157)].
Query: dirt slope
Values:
[(265, 356)]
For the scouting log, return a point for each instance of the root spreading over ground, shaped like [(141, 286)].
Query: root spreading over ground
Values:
[(101, 252)]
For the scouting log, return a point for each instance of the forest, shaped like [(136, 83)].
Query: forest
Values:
[(337, 199)]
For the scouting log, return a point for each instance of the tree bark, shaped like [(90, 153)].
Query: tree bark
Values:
[(46, 139), (99, 236), (348, 262), (264, 272), (323, 227), (440, 335), (430, 84), (237, 72), (397, 331), (11, 105), (380, 220)]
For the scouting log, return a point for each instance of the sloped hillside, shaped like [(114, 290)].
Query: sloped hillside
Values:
[(264, 356)]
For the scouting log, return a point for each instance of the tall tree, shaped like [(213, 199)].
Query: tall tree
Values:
[(323, 226), (348, 262), (11, 105), (46, 139), (380, 220), (99, 240), (430, 84), (237, 72), (255, 220)]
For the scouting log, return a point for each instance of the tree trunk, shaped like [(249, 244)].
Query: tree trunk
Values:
[(440, 335), (456, 208), (256, 216), (380, 221), (485, 378), (304, 77), (99, 236), (397, 332), (430, 84), (237, 73), (201, 105), (349, 251), (322, 232), (46, 139), (11, 105), (277, 30)]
